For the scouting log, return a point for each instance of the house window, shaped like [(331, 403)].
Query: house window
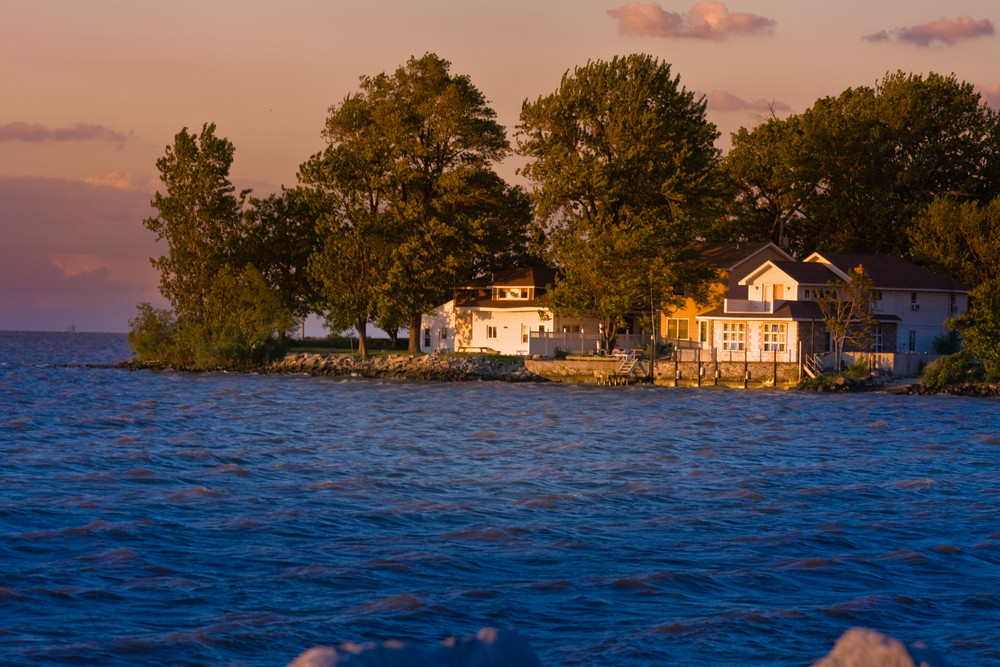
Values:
[(911, 344), (703, 331), (677, 327), (876, 300), (427, 337), (774, 337), (512, 293), (491, 332), (878, 336), (952, 306), (571, 328), (734, 336), (913, 301), (444, 333)]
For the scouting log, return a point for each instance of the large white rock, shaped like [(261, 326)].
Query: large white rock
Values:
[(860, 647)]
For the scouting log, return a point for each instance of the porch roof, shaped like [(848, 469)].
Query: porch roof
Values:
[(788, 310)]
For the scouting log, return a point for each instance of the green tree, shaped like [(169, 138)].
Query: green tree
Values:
[(847, 312), (770, 192), (278, 236), (851, 173), (961, 240), (623, 167), (199, 217), (412, 152), (980, 327), (224, 312)]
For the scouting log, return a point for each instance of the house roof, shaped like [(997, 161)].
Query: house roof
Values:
[(529, 276), (812, 273), (789, 310), (889, 272), (726, 255)]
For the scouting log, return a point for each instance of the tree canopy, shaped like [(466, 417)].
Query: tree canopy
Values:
[(852, 172), (408, 170), (225, 313), (623, 168)]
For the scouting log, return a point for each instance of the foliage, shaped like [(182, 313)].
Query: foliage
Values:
[(624, 169), (222, 317), (961, 240), (406, 183), (851, 173), (952, 369), (770, 193), (151, 334), (947, 343), (847, 312), (277, 238), (980, 327), (199, 217)]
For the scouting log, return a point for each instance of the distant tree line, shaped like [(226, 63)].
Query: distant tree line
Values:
[(404, 203)]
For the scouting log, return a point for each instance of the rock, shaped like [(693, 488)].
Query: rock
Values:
[(860, 647), (488, 648)]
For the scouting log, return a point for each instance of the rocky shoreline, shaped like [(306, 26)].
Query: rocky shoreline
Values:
[(429, 367)]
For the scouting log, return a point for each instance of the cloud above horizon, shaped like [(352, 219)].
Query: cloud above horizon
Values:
[(720, 100), (73, 253), (947, 31), (20, 131), (705, 20)]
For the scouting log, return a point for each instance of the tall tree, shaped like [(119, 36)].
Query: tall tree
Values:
[(224, 312), (199, 217), (770, 192), (420, 144), (277, 238), (622, 163), (860, 166)]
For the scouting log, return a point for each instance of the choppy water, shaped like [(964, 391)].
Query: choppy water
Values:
[(173, 519)]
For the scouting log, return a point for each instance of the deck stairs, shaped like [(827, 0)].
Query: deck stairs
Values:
[(813, 366), (627, 362)]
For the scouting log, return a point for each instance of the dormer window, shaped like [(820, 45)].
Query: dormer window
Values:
[(511, 293)]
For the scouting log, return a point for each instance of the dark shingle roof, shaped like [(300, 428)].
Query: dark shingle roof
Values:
[(531, 276), (725, 255), (788, 310), (888, 272), (807, 273)]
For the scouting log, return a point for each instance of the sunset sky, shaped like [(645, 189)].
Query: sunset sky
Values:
[(94, 91)]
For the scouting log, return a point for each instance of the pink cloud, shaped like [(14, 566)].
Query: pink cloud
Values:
[(947, 31), (705, 20), (990, 95), (720, 100), (73, 254), (122, 181), (78, 132)]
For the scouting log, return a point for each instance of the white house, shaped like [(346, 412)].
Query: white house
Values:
[(507, 313), (779, 313)]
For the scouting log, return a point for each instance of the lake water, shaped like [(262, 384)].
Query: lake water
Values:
[(162, 518)]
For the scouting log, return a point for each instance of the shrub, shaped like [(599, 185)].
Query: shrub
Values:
[(949, 343), (152, 335), (953, 369)]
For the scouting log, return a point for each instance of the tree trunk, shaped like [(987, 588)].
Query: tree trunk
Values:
[(362, 327), (415, 321)]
